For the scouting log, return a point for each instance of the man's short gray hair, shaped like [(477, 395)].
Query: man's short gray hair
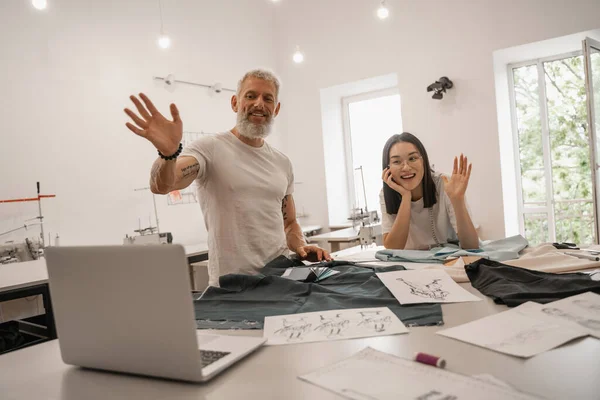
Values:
[(260, 74)]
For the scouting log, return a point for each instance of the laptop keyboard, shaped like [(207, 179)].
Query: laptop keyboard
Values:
[(208, 357)]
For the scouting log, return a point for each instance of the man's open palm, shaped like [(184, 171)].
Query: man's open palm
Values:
[(165, 135)]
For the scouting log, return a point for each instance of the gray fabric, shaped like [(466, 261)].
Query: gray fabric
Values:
[(497, 250), (243, 301)]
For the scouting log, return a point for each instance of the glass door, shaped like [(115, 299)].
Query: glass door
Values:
[(591, 52)]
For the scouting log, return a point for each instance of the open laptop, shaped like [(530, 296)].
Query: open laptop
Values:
[(130, 309)]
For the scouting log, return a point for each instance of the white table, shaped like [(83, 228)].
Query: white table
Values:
[(196, 252), (30, 273), (22, 275), (30, 278), (569, 372), (335, 238), (311, 230), (27, 279)]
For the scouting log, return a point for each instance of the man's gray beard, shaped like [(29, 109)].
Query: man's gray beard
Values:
[(251, 130)]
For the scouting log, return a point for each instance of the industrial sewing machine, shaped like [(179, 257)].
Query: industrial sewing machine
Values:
[(369, 227), (149, 238), (28, 249), (368, 222), (17, 252), (369, 234), (150, 234)]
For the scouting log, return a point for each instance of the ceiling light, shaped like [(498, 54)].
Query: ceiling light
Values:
[(164, 42), (40, 4), (382, 11), (298, 56)]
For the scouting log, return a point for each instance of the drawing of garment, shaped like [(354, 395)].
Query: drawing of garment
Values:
[(588, 305), (585, 322), (529, 335), (431, 290), (294, 330), (332, 326), (375, 321)]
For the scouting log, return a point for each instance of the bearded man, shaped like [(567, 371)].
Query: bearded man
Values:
[(244, 184)]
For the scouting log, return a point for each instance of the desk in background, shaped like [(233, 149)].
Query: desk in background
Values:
[(30, 278), (23, 280), (311, 230), (336, 238)]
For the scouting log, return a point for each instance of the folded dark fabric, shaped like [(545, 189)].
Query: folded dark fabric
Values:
[(514, 286), (243, 301)]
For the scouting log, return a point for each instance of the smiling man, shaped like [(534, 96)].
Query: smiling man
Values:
[(244, 185)]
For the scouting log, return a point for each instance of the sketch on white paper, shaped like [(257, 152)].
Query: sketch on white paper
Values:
[(374, 375), (585, 322), (332, 325), (432, 290), (515, 332), (425, 286), (374, 320), (578, 312), (293, 330), (587, 305), (523, 337)]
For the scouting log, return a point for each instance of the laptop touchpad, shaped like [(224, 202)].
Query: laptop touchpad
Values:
[(204, 339)]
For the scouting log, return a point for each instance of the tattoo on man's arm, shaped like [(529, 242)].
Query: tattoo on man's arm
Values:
[(284, 207), (155, 173), (190, 170), (155, 169)]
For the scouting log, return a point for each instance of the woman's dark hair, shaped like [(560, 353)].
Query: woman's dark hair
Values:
[(393, 198)]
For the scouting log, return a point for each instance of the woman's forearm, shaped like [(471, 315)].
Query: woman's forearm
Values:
[(397, 237), (467, 235)]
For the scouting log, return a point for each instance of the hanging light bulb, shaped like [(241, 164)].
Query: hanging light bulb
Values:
[(164, 42), (382, 11), (40, 4), (298, 57)]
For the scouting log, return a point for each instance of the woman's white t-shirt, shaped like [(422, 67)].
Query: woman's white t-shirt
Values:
[(423, 221)]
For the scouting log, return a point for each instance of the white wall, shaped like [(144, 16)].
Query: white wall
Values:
[(422, 40), (66, 74), (65, 77)]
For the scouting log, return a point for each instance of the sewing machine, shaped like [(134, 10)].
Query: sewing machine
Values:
[(149, 238), (23, 251), (369, 228), (369, 234)]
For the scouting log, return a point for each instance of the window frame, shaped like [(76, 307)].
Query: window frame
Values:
[(548, 209), (348, 155)]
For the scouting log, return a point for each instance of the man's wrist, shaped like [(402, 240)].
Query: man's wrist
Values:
[(171, 155)]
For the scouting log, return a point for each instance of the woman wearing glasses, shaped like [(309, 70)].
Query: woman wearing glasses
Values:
[(421, 208)]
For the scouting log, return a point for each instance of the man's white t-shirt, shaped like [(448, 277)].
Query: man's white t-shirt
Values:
[(240, 190), (423, 221)]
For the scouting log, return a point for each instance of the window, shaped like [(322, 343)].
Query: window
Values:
[(369, 120), (552, 150)]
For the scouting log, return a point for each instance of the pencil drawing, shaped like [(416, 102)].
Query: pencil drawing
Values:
[(585, 322), (431, 290), (294, 330), (588, 305), (333, 326), (523, 337), (374, 320)]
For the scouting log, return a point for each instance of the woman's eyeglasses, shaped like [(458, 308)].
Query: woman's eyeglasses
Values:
[(412, 160)]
